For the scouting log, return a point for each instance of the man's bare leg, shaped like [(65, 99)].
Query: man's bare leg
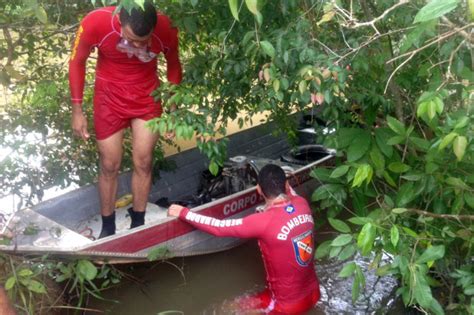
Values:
[(6, 307), (143, 144), (110, 153)]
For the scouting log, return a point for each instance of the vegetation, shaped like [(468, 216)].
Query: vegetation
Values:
[(393, 78)]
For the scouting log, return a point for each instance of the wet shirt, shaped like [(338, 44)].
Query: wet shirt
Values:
[(101, 29), (285, 237)]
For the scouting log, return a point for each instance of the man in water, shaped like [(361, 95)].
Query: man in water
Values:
[(126, 73), (285, 236)]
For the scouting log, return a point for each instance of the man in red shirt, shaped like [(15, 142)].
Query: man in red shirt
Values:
[(126, 73), (285, 236)]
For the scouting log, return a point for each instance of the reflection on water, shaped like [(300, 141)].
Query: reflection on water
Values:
[(209, 283)]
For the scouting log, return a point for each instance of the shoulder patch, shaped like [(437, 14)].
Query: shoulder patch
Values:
[(303, 245), (289, 209)]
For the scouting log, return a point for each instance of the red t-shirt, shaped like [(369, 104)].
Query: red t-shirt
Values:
[(285, 237), (101, 29)]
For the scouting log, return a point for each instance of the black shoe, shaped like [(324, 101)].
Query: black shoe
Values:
[(138, 218), (108, 226)]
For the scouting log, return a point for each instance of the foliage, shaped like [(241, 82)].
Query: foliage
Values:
[(393, 78), (32, 282)]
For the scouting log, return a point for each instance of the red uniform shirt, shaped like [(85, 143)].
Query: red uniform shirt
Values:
[(285, 237), (123, 83)]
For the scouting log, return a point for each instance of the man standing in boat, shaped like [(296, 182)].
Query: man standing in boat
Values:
[(126, 73), (285, 236)]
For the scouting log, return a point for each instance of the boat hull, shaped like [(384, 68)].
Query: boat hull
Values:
[(68, 225)]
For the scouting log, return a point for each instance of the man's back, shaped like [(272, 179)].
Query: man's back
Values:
[(285, 235), (287, 245)]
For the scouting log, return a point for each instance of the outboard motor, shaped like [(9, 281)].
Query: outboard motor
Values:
[(305, 154)]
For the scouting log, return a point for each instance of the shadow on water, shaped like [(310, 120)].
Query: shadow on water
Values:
[(206, 285)]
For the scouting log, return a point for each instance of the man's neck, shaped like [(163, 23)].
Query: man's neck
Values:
[(280, 199)]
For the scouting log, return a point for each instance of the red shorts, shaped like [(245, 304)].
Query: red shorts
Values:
[(263, 301), (116, 104)]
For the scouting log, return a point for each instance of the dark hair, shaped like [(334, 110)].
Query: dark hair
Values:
[(142, 22), (272, 179)]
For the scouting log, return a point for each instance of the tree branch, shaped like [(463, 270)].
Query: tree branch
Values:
[(453, 26), (442, 216), (439, 39), (8, 39), (352, 23)]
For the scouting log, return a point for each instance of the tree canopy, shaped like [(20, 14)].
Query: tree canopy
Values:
[(393, 78)]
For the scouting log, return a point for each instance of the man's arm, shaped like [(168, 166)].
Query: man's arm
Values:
[(251, 226), (81, 49), (170, 36)]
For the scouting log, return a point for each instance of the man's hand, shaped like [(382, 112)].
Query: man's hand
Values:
[(175, 210), (169, 135), (79, 123)]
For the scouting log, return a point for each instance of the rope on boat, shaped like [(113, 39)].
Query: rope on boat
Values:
[(87, 232)]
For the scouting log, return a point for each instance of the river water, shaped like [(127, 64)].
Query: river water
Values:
[(207, 284)]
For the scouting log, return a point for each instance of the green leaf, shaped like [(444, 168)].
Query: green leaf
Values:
[(378, 160), (457, 182), (439, 105), (252, 5), (421, 289), (405, 194), (399, 210), (340, 171), (86, 270), (395, 140), (276, 85), (469, 198), (364, 172), (339, 225), (10, 283), (25, 273), (213, 167), (459, 147), (347, 252), (234, 8), (396, 126), (328, 16), (323, 249), (469, 290), (347, 270), (381, 137), (302, 86), (341, 240), (422, 109), (36, 286), (157, 253), (462, 122), (447, 140), (389, 179), (394, 235), (359, 147), (366, 238), (398, 167), (41, 15), (431, 253), (435, 9), (268, 48), (431, 110), (334, 251)]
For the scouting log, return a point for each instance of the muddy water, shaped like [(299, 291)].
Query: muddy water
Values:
[(207, 284)]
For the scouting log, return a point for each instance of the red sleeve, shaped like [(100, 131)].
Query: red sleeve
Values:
[(251, 226), (170, 36), (83, 44)]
